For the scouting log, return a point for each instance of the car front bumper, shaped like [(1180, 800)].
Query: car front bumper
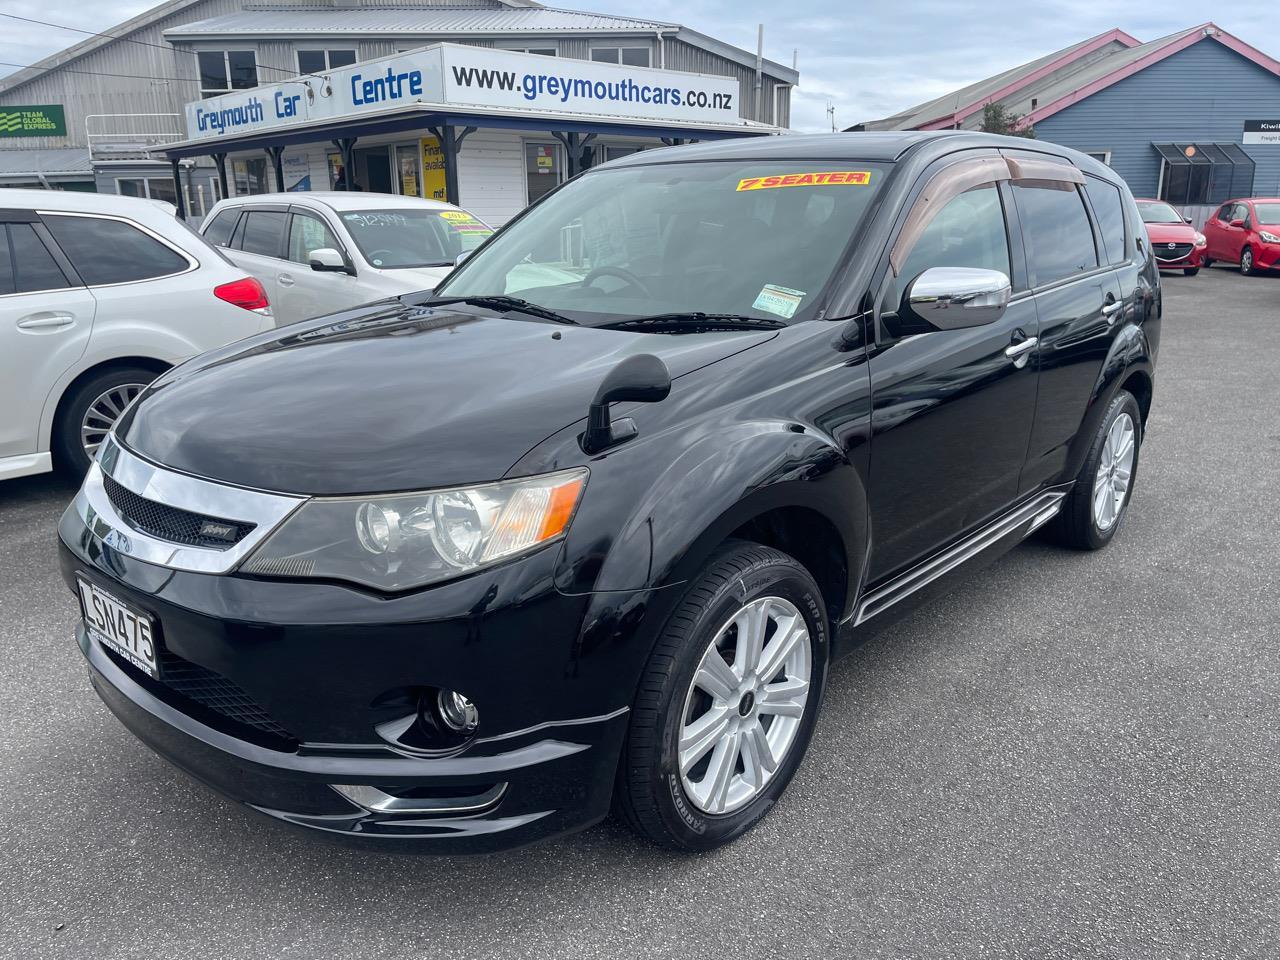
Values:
[(314, 663), (1267, 256)]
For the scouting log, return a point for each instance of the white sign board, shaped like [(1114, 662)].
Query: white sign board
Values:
[(1261, 131), (500, 78), (455, 75)]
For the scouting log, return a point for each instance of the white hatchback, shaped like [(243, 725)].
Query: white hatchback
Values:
[(320, 252), (98, 295)]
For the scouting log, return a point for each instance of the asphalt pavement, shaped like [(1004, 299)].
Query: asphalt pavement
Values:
[(1072, 755)]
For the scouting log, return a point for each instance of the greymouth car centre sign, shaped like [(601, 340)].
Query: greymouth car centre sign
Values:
[(455, 75)]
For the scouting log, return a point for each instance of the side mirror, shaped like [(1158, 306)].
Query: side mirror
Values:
[(327, 260), (460, 257), (1237, 222), (952, 298), (1186, 219), (642, 378)]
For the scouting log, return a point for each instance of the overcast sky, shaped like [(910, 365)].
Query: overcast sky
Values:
[(866, 64)]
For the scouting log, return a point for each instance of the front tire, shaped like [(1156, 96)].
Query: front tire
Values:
[(90, 411), (1190, 271), (1246, 262), (727, 702), (1094, 509)]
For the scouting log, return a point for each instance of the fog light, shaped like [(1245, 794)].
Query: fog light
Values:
[(457, 711)]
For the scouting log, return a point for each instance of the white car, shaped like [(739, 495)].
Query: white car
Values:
[(320, 252), (98, 295)]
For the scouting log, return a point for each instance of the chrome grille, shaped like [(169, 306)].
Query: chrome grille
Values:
[(173, 524)]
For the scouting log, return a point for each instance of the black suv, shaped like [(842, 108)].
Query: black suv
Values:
[(587, 525)]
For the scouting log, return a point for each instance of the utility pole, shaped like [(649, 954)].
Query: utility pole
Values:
[(831, 113)]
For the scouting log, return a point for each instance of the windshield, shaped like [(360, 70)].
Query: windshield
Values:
[(1268, 213), (1159, 213), (395, 239), (748, 238)]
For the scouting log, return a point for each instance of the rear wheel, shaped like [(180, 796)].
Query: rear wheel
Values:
[(93, 408), (727, 703), (1246, 261), (1095, 507)]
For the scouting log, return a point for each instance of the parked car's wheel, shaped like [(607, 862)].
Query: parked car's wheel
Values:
[(1246, 261), (727, 702), (1095, 507), (1206, 262), (1190, 271), (90, 412)]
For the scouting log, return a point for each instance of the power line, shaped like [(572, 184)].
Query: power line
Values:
[(96, 73), (144, 43)]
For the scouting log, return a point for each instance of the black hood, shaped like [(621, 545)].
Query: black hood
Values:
[(388, 399)]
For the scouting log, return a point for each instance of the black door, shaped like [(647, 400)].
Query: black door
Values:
[(377, 169), (951, 410), (1081, 305)]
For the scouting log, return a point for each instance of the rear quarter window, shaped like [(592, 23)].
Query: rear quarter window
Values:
[(113, 251), (1108, 208)]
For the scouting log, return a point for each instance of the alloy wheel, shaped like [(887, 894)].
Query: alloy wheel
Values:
[(104, 412), (1246, 261), (1115, 471), (744, 705)]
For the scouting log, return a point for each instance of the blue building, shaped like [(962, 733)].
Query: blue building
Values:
[(1192, 118)]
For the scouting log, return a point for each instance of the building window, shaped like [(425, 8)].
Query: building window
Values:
[(540, 51), (225, 70), (1102, 156), (1203, 173), (322, 61), (250, 176), (627, 56), (151, 188)]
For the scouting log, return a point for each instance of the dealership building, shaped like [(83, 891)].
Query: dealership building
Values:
[(489, 103), (1192, 118)]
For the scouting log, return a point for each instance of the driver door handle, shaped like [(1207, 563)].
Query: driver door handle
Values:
[(285, 280), (1015, 350), (1109, 308)]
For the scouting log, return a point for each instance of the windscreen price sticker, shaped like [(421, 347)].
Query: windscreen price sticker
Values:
[(847, 178)]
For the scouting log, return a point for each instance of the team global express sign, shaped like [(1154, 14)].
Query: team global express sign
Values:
[(48, 120), (471, 76), (1262, 131)]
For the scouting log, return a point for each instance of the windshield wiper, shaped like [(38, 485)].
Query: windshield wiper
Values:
[(699, 321), (499, 301)]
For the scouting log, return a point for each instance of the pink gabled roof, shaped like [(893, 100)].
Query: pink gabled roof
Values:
[(1140, 58), (1070, 55)]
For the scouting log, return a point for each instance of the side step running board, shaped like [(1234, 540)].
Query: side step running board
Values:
[(1033, 514)]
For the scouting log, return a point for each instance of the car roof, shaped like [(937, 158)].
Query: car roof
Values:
[(886, 145), (74, 200), (341, 200)]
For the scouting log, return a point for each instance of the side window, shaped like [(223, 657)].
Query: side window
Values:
[(968, 232), (33, 266), (6, 263), (263, 232), (307, 233), (1056, 228), (1224, 215), (218, 232), (1108, 207), (112, 251)]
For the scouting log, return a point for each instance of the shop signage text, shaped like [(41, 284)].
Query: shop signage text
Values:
[(46, 120), (1262, 131), (455, 75)]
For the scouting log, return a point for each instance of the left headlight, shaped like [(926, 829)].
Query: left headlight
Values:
[(1200, 239), (1268, 237), (407, 540)]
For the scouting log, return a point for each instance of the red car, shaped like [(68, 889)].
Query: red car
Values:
[(1246, 232), (1176, 244)]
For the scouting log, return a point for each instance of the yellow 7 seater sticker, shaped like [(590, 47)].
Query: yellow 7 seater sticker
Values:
[(849, 178)]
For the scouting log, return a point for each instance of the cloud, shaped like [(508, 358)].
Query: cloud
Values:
[(865, 61)]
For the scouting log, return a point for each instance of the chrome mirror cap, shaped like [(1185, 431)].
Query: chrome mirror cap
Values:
[(951, 298)]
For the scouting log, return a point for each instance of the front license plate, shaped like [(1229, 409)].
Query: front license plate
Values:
[(119, 627)]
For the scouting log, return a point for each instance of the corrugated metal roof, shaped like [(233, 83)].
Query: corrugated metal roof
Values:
[(448, 21), (15, 163)]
